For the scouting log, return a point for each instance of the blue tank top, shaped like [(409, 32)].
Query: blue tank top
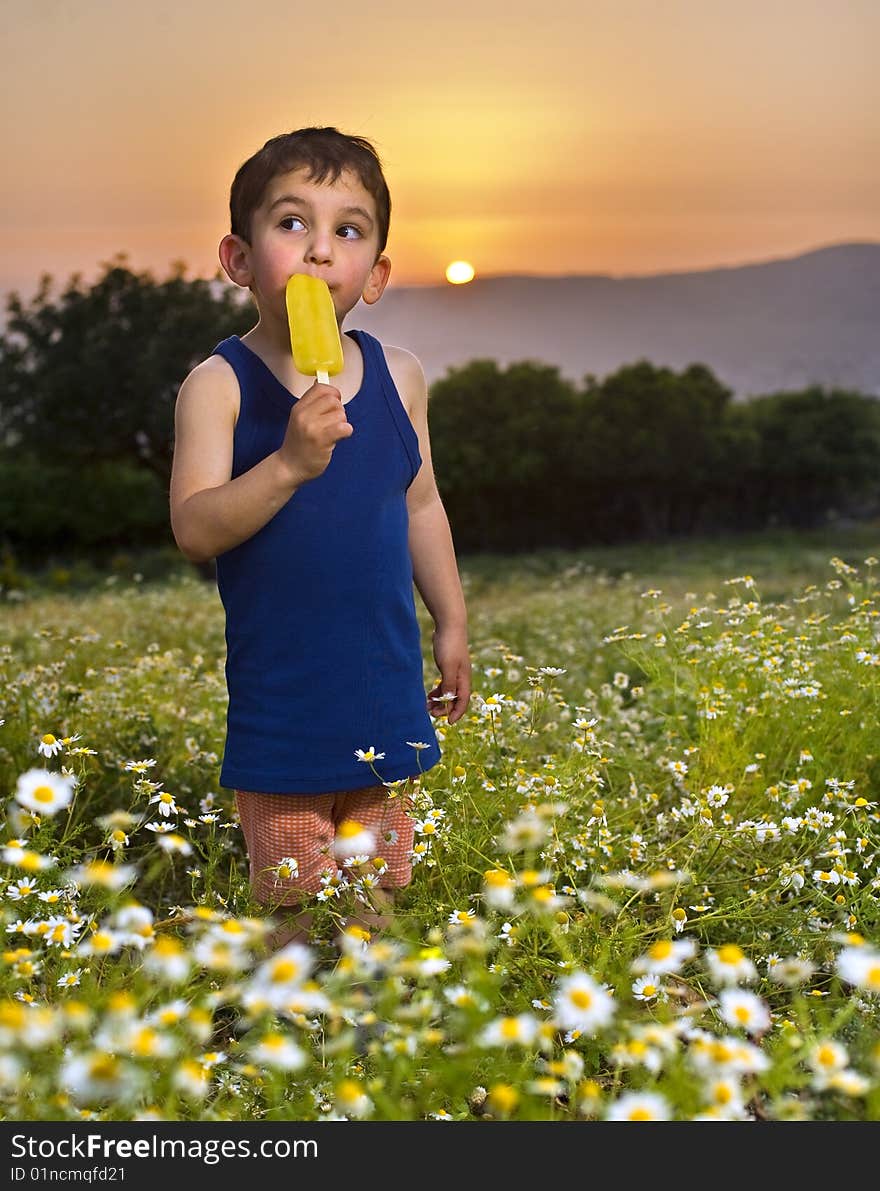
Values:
[(323, 647)]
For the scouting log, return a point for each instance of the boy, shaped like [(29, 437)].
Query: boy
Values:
[(319, 503)]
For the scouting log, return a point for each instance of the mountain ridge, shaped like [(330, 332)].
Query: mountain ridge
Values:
[(760, 327)]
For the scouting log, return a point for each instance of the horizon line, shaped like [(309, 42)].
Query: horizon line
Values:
[(121, 258)]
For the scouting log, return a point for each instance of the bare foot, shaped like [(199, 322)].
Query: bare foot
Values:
[(376, 918), (292, 926)]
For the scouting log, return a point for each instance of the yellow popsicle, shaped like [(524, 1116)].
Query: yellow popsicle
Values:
[(314, 333)]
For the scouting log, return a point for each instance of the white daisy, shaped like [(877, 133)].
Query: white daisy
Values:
[(277, 1050), (860, 966), (172, 842), (729, 965), (638, 1106), (99, 1078), (353, 838), (582, 1004), (49, 746), (352, 1100), (45, 792), (665, 955), (168, 960), (369, 754), (744, 1010), (649, 987), (518, 1030), (165, 803), (101, 872), (827, 1058)]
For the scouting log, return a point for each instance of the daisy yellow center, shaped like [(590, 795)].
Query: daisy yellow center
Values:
[(510, 1028), (723, 1094), (349, 829), (43, 794), (99, 869), (639, 1114), (30, 860), (49, 739), (104, 1067), (284, 970), (872, 978), (166, 947), (649, 990), (661, 949), (165, 797), (826, 1056), (581, 999), (145, 1042), (348, 1090), (504, 1097), (12, 1015), (742, 1014), (273, 1041), (730, 954), (497, 876)]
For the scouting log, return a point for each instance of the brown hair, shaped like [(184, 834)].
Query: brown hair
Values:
[(325, 153)]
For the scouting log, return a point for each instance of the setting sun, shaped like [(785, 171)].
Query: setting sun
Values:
[(459, 272)]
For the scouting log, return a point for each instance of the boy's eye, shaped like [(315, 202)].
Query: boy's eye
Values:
[(289, 219), (349, 227)]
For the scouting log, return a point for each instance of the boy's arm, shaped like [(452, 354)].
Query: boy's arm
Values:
[(435, 569), (210, 512)]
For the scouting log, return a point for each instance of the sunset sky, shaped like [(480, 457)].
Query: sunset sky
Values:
[(568, 136)]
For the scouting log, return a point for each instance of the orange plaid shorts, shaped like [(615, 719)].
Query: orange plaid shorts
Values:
[(304, 826)]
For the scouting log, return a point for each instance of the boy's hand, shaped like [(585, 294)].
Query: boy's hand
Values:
[(453, 662), (317, 423)]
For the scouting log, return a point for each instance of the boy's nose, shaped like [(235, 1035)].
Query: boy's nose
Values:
[(320, 249)]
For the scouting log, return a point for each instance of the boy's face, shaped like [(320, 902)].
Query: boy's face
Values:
[(327, 229)]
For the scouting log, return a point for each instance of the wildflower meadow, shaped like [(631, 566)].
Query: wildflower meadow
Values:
[(645, 870)]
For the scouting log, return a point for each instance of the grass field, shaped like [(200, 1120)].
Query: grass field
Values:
[(645, 873)]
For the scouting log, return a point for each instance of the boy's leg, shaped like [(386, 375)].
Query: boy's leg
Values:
[(387, 817), (288, 839)]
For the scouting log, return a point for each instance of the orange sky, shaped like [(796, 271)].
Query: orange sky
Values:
[(568, 136)]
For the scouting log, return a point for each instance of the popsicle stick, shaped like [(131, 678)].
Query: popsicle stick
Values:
[(323, 377)]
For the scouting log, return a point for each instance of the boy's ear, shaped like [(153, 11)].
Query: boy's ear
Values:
[(234, 256), (377, 280)]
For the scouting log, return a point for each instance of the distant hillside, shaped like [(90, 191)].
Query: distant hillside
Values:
[(783, 324)]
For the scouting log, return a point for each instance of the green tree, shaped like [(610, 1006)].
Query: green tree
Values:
[(818, 454), (652, 444), (500, 439), (92, 375)]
